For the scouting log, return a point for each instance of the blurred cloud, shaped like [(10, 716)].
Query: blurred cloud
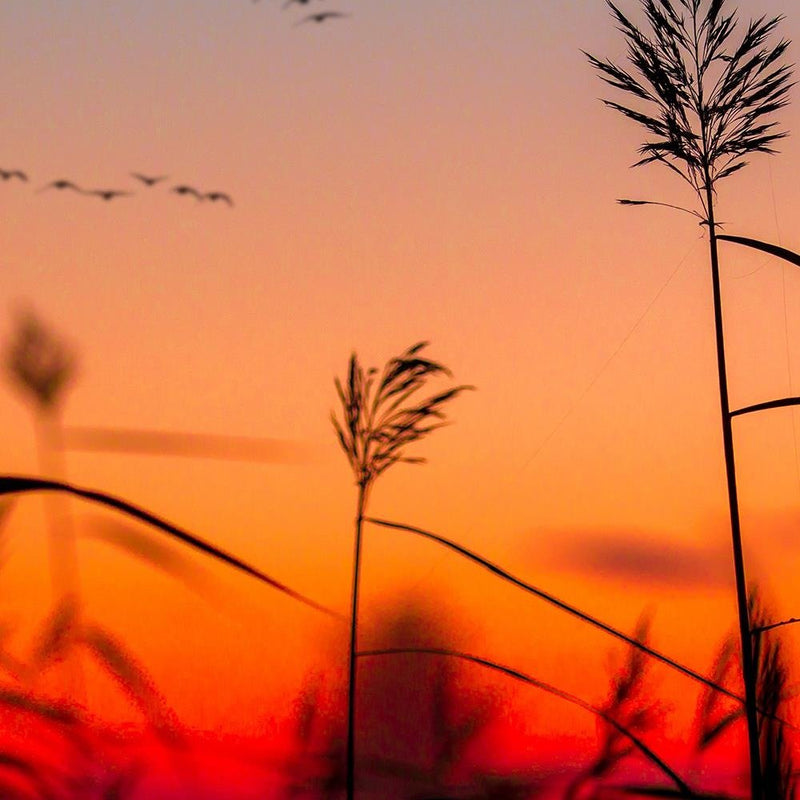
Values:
[(633, 555), (192, 445)]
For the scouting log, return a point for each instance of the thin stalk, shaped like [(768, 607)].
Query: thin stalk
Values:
[(352, 660), (764, 628), (381, 416), (61, 537), (748, 667)]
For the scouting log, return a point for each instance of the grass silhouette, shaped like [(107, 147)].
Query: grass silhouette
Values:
[(18, 485), (626, 719), (779, 769), (607, 715), (635, 642), (43, 366), (706, 102), (381, 417)]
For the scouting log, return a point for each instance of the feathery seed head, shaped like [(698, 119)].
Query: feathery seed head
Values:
[(379, 417), (706, 100)]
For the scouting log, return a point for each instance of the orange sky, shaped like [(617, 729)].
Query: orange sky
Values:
[(408, 173)]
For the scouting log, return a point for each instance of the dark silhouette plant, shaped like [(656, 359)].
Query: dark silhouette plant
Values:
[(603, 714), (11, 485), (779, 767), (382, 416), (631, 707), (706, 100), (777, 735)]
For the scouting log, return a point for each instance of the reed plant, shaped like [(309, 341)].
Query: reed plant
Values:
[(52, 748), (42, 366), (716, 716), (382, 415), (706, 98), (779, 768), (630, 705)]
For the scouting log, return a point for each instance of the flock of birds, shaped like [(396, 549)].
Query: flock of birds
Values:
[(148, 181), (318, 17)]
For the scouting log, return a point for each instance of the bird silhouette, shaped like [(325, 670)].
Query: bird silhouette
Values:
[(182, 189), (149, 180), (321, 17), (109, 194), (62, 184), (7, 174), (299, 2), (215, 196)]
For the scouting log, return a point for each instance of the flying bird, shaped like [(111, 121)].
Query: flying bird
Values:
[(149, 180), (182, 189), (62, 184), (299, 2), (7, 174), (109, 194), (215, 196), (321, 17)]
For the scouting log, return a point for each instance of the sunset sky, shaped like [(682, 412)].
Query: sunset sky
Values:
[(440, 171)]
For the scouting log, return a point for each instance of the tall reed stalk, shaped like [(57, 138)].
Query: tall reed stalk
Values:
[(706, 103), (42, 366), (381, 416)]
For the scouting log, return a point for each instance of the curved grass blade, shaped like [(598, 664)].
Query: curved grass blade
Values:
[(769, 627), (713, 719), (57, 711), (766, 247), (631, 706), (132, 677), (16, 485), (626, 202), (157, 553), (550, 689), (56, 634), (553, 600), (28, 772), (13, 666), (783, 402)]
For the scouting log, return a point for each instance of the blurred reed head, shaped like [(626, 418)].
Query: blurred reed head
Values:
[(38, 361)]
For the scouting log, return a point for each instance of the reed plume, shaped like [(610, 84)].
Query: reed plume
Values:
[(706, 99), (779, 770), (381, 417), (43, 366)]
